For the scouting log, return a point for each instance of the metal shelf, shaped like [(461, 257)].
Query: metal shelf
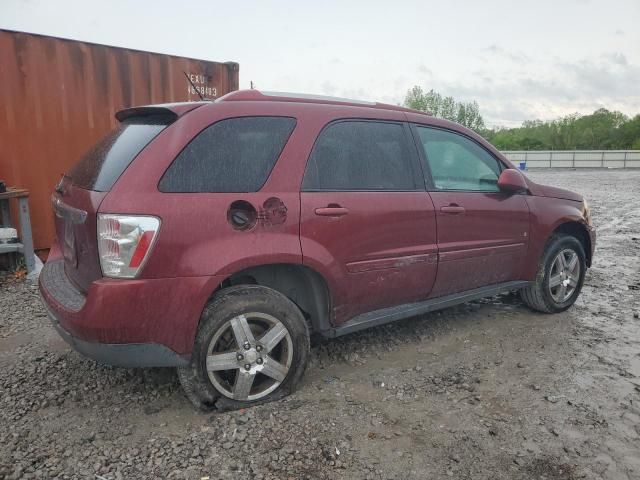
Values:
[(26, 247), (11, 247)]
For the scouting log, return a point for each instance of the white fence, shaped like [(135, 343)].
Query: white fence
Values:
[(575, 158)]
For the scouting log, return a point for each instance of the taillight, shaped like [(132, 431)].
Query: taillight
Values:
[(124, 243)]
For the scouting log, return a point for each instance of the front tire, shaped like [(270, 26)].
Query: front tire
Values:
[(251, 347), (560, 276)]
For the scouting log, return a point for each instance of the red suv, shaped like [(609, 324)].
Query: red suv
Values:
[(216, 237)]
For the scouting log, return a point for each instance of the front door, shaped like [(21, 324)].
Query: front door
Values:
[(482, 232), (366, 221)]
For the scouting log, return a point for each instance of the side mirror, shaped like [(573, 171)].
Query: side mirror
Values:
[(512, 181)]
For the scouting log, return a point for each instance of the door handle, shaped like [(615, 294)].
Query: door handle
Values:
[(452, 209), (331, 211)]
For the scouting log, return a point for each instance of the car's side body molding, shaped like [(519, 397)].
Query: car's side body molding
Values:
[(399, 312)]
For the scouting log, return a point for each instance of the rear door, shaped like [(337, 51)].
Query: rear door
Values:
[(365, 216), (482, 232)]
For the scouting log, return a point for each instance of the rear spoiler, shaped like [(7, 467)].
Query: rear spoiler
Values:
[(171, 111)]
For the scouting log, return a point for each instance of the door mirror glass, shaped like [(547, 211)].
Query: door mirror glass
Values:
[(512, 181)]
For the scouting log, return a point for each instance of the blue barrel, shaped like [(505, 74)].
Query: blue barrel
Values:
[(523, 165)]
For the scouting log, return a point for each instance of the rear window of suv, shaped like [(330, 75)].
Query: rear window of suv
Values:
[(233, 155), (101, 166)]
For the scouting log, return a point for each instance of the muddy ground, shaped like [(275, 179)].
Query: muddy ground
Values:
[(485, 390)]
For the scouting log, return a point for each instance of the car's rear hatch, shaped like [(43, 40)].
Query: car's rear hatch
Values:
[(75, 216), (79, 194)]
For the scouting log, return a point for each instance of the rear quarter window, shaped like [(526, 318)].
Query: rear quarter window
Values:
[(232, 155), (103, 164)]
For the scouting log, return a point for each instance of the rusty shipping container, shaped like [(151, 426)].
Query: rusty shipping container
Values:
[(58, 97)]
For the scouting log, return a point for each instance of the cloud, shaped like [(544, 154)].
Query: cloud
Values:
[(496, 50), (329, 88), (423, 69), (618, 58), (547, 90), (612, 77), (540, 86)]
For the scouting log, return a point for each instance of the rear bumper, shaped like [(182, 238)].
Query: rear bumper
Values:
[(124, 354), (133, 323)]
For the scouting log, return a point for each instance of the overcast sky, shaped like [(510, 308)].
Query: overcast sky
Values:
[(519, 59)]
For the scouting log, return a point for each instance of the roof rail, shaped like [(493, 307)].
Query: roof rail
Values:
[(257, 95), (319, 98)]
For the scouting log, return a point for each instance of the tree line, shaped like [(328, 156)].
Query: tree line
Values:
[(603, 129)]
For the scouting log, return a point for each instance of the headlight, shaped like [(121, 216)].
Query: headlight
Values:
[(586, 212)]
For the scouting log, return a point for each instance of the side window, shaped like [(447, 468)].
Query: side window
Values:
[(234, 155), (458, 163), (361, 155)]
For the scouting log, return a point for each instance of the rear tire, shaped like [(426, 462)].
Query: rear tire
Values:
[(560, 276), (251, 348)]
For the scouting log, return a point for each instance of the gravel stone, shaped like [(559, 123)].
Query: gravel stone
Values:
[(439, 389)]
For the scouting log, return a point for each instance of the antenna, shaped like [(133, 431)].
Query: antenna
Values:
[(193, 85)]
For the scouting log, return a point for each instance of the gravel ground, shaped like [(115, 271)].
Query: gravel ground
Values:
[(484, 390)]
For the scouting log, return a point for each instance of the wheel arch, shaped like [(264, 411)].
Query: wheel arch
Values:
[(578, 230), (304, 286)]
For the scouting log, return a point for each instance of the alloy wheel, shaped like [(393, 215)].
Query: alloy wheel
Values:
[(564, 275), (249, 356)]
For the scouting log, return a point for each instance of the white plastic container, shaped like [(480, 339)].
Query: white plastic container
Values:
[(8, 235)]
